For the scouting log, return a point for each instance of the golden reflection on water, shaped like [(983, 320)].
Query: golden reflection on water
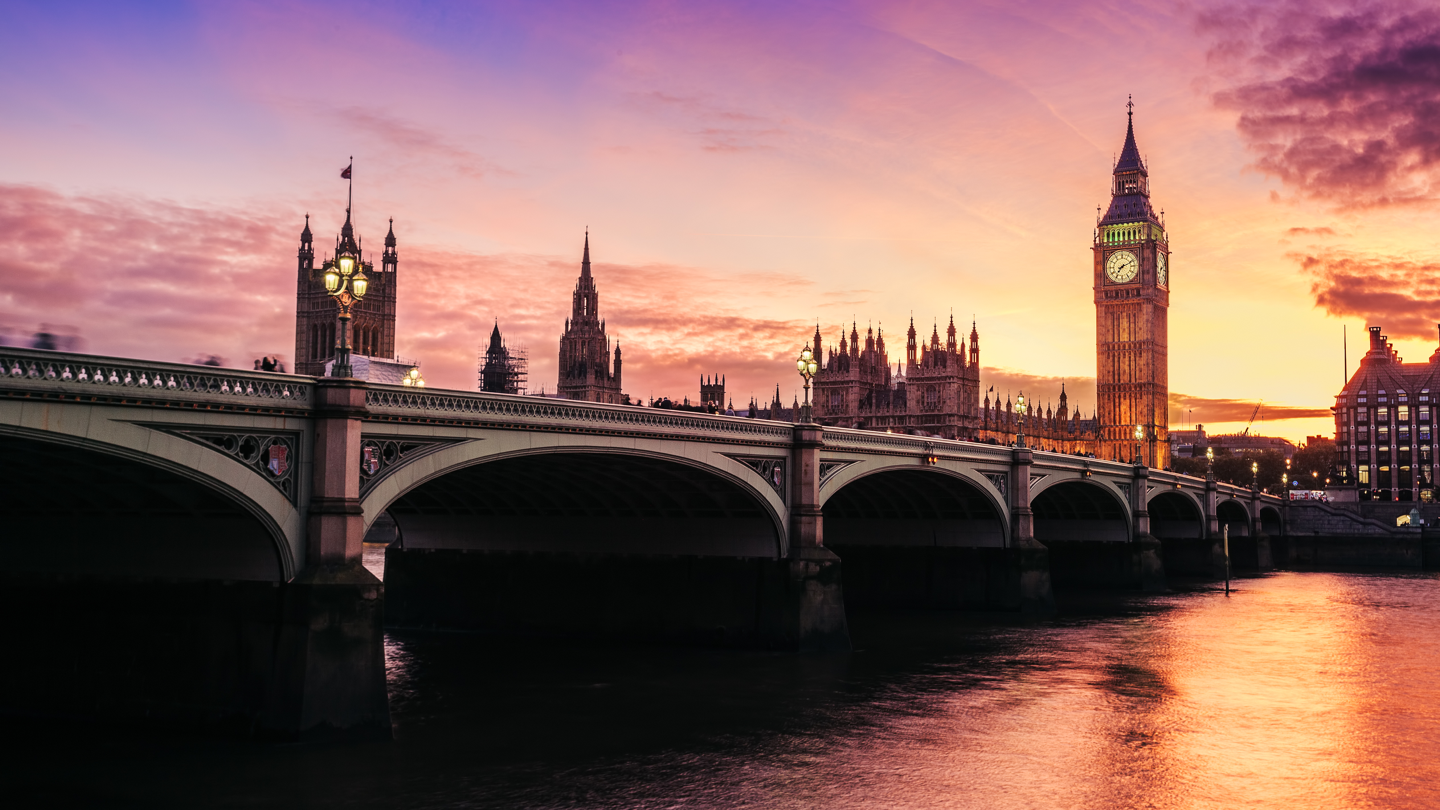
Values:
[(1297, 691)]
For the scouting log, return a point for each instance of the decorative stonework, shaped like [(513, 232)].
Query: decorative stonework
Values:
[(1035, 479), (1125, 488), (768, 467), (382, 455), (998, 480), (829, 468), (274, 456)]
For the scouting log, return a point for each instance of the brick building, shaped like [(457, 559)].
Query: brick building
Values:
[(1384, 425)]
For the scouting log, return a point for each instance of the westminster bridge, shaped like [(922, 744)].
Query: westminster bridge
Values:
[(183, 542)]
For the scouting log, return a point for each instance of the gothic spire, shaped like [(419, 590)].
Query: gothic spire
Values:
[(347, 242), (390, 237), (585, 261), (1130, 188), (1130, 153), (496, 344), (305, 235)]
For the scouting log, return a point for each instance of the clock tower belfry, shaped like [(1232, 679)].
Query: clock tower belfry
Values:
[(1132, 301)]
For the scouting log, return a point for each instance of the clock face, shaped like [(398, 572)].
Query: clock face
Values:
[(1162, 270), (1122, 266)]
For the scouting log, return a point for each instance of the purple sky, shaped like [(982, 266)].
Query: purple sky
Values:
[(745, 170)]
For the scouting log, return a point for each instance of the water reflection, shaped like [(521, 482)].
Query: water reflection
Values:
[(1300, 690)]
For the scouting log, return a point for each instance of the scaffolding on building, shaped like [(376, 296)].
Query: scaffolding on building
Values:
[(503, 371)]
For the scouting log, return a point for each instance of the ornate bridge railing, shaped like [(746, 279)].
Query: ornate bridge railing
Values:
[(46, 374), (434, 405)]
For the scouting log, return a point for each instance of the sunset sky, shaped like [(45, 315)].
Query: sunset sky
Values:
[(745, 170)]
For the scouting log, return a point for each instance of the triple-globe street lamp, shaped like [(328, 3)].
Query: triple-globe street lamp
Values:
[(345, 281), (806, 365), (1209, 464), (1139, 437)]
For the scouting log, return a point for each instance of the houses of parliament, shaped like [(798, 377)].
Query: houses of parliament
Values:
[(936, 390)]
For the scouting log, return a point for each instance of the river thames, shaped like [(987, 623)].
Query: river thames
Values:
[(1299, 690)]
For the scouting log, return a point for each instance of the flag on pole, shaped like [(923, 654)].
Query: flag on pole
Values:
[(345, 173)]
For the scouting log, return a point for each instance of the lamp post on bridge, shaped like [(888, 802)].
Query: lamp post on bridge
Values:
[(345, 281), (1020, 408), (1209, 463), (807, 367), (1255, 475), (1139, 437), (413, 379)]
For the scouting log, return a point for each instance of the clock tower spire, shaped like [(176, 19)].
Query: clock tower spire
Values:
[(1132, 301)]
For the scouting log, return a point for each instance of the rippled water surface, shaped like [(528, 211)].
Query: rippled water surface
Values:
[(1297, 691)]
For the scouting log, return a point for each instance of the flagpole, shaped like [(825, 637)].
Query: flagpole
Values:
[(350, 189)]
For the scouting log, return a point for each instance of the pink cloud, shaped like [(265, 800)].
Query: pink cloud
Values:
[(1340, 102), (1403, 295), (155, 279)]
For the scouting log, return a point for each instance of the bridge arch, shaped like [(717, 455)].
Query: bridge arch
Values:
[(910, 505), (1234, 514), (1086, 526), (1079, 510), (1271, 522), (632, 491), (918, 536), (143, 504), (645, 538), (1177, 520)]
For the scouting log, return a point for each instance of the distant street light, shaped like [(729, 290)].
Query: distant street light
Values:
[(1255, 475), (1139, 437), (1020, 407), (413, 379), (345, 281), (807, 367), (1209, 464)]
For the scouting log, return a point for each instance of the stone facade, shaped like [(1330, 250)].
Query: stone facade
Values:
[(372, 322), (585, 372), (937, 392)]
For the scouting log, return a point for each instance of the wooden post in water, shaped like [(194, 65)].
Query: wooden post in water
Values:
[(1227, 558)]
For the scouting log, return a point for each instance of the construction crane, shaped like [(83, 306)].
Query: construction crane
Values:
[(1253, 414)]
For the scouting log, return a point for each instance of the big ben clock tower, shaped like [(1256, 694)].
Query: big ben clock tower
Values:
[(1132, 299)]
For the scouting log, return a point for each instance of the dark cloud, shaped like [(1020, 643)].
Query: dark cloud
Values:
[(1402, 295), (1207, 409), (1341, 102), (1310, 232), (1184, 408)]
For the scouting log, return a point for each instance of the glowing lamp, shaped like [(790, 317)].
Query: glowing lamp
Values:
[(359, 285), (332, 281), (347, 265)]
